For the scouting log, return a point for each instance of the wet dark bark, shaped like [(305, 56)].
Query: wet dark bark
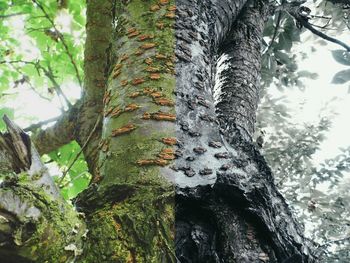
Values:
[(227, 206)]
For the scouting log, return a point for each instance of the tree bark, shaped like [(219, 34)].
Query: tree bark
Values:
[(176, 175), (227, 209)]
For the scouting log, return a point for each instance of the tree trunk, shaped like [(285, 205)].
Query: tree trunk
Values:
[(177, 177)]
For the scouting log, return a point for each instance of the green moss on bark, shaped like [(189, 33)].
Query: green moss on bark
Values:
[(138, 229), (42, 229)]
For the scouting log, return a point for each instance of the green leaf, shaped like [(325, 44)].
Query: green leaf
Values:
[(341, 77), (341, 56)]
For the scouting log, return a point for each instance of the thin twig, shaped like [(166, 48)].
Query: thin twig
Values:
[(49, 73), (323, 17), (27, 80), (75, 178), (323, 27), (81, 150)]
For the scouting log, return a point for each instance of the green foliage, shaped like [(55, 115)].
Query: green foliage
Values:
[(278, 65), (77, 177), (341, 77), (318, 193), (42, 46), (42, 51), (342, 57)]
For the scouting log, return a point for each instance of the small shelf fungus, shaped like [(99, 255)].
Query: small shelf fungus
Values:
[(107, 97), (131, 107), (124, 130), (164, 2), (169, 140), (145, 37), (164, 102), (135, 94), (159, 116), (160, 25), (170, 15), (124, 57), (160, 162), (155, 8), (153, 69), (160, 56), (124, 82), (148, 61), (148, 45), (154, 76), (133, 34), (116, 73), (137, 81), (167, 154)]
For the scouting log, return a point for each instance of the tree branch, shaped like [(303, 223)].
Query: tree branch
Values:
[(240, 61), (32, 209), (294, 11), (322, 35), (276, 31), (61, 133)]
